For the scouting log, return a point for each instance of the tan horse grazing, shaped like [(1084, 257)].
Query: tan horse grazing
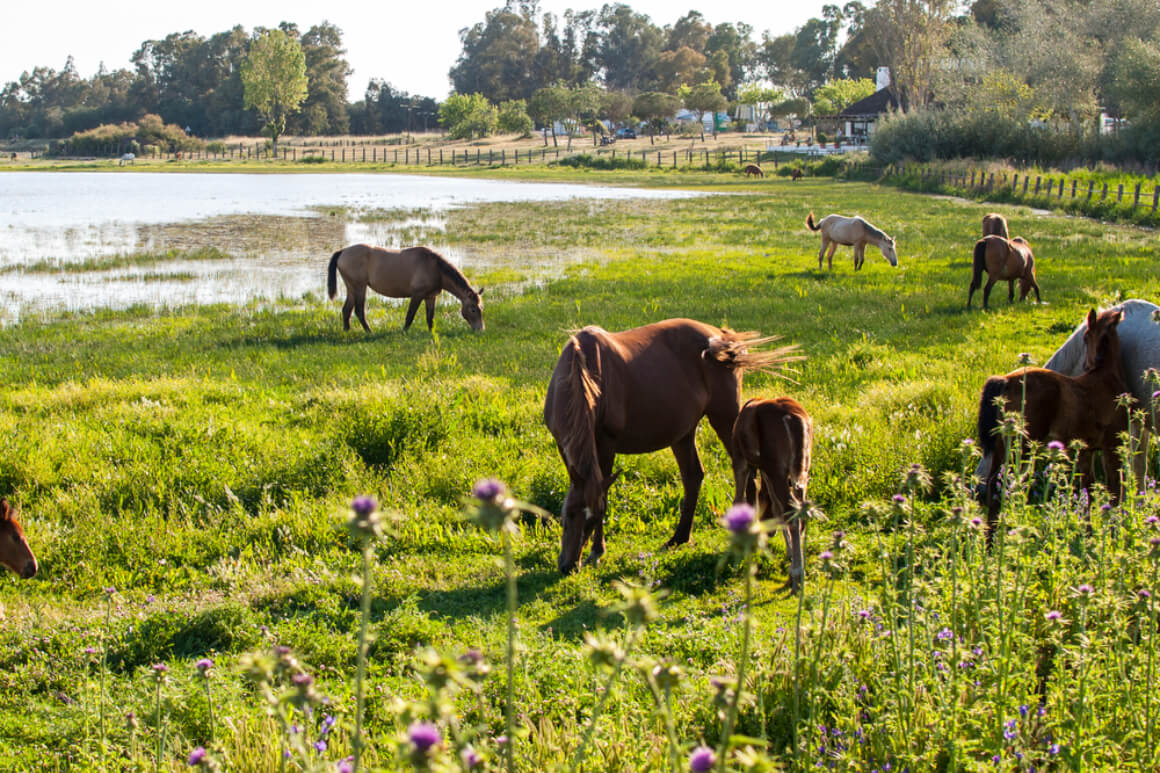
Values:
[(639, 391), (417, 273), (774, 438), (14, 551), (995, 224), (839, 229), (1058, 407), (1004, 259), (753, 170)]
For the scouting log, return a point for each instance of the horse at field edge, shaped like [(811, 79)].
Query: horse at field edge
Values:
[(774, 440), (1059, 407), (418, 273), (1004, 260), (995, 224), (753, 170), (638, 391), (850, 231), (14, 551)]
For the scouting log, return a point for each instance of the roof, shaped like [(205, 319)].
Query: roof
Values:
[(875, 104)]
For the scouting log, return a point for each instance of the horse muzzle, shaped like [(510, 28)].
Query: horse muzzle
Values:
[(29, 570)]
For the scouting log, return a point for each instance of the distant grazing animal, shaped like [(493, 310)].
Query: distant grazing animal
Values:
[(1139, 340), (417, 273), (753, 170), (839, 229), (639, 391), (1060, 407), (796, 174), (995, 224), (127, 159), (14, 551), (1004, 259), (774, 439)]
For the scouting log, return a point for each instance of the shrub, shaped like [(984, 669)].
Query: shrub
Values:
[(588, 161)]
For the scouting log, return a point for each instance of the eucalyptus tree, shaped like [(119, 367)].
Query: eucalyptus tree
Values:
[(274, 76)]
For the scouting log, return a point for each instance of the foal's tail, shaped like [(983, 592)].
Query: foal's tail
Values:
[(331, 278), (736, 351), (579, 441), (810, 223), (989, 413), (980, 264)]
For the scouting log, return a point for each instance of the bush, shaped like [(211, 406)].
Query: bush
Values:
[(128, 137), (588, 161)]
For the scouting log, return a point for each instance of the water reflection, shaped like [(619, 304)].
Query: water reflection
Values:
[(278, 231)]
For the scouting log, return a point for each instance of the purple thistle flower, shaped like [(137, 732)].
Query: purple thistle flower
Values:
[(423, 735), (996, 759), (319, 745), (203, 665), (1009, 733), (899, 499), (976, 522), (302, 680), (944, 634), (1055, 445), (1144, 593), (825, 555), (1054, 614), (739, 518), (346, 765), (864, 614), (196, 756), (1152, 519), (1053, 749), (1085, 589), (702, 759), (1154, 541), (1023, 709), (488, 489), (160, 668), (470, 757), (91, 650), (364, 505)]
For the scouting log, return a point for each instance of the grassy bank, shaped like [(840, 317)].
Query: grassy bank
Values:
[(184, 478)]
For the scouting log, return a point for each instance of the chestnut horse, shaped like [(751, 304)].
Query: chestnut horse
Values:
[(14, 551), (1004, 259), (417, 273), (1059, 407), (639, 391), (774, 438), (839, 229), (996, 224), (753, 170)]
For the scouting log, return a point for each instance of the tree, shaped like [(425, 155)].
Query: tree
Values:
[(466, 116), (836, 95), (325, 110), (908, 36), (761, 99), (1136, 81), (499, 54), (735, 54), (274, 76), (549, 106), (674, 68), (629, 47), (514, 119), (815, 46), (656, 108), (704, 98)]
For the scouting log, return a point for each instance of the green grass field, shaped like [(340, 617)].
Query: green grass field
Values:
[(200, 463)]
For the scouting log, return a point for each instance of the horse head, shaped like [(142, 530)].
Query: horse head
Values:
[(472, 309), (582, 514), (1100, 338), (889, 252), (14, 551)]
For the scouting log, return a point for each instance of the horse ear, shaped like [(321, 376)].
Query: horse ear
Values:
[(5, 509), (479, 292), (1091, 320)]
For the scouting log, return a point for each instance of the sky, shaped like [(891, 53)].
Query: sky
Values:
[(411, 45)]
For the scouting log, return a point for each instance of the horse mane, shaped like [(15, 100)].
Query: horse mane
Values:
[(460, 287), (579, 436), (873, 230), (736, 351)]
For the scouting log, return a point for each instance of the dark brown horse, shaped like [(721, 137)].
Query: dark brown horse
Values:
[(639, 391), (1062, 408), (995, 224), (774, 439), (796, 174), (1004, 259), (753, 170), (14, 551), (417, 273)]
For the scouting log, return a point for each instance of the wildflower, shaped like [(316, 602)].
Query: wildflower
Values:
[(1023, 709), (739, 518), (196, 756), (365, 522), (976, 522), (345, 765), (1085, 589), (319, 745), (488, 490), (1053, 749), (493, 508), (423, 736), (996, 759), (826, 555), (944, 634), (1024, 358), (1054, 614), (470, 757), (1143, 593), (899, 499), (110, 590), (91, 650), (1009, 732), (702, 759), (1056, 446), (159, 671), (1152, 519), (203, 666), (131, 721), (327, 725), (864, 614)]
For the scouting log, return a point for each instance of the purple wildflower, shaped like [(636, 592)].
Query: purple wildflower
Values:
[(899, 499), (1023, 709), (160, 668), (864, 614), (945, 634), (470, 757), (364, 505), (319, 745), (1144, 593), (423, 735), (976, 522), (826, 555), (302, 680), (1152, 519), (1054, 614), (739, 518), (196, 756), (1055, 445), (345, 765), (1009, 732), (204, 665), (702, 759), (1053, 749), (91, 650), (488, 489), (1085, 589)]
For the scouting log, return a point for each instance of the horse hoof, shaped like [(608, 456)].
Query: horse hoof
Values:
[(593, 559)]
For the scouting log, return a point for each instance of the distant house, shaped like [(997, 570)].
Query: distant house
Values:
[(859, 118)]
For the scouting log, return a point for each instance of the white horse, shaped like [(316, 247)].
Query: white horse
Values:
[(839, 229), (1139, 351), (127, 159)]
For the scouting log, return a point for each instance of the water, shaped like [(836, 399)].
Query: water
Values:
[(278, 230)]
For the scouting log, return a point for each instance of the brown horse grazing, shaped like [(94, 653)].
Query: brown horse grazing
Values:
[(639, 391), (1062, 408), (14, 551), (775, 438), (856, 231), (1004, 259), (417, 273), (753, 170), (995, 224), (796, 174)]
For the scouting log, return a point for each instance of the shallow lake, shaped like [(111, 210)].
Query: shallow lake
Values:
[(277, 230)]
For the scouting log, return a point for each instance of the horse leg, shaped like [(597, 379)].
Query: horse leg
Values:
[(692, 473), (411, 309), (859, 255), (987, 291), (976, 283), (744, 475), (430, 301), (822, 251), (605, 453), (1011, 291), (360, 308), (830, 256), (347, 308)]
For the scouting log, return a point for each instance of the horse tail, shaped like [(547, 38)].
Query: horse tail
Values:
[(331, 275), (810, 223), (799, 429), (579, 441), (989, 413), (736, 352), (980, 264)]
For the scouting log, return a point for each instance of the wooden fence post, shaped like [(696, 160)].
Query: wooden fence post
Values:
[(1104, 194), (1073, 184), (1155, 198), (1037, 181), (1136, 198), (1091, 189), (1119, 193)]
